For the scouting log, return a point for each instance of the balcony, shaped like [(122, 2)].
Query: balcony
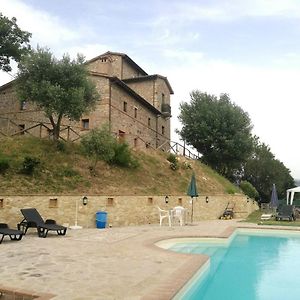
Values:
[(166, 110)]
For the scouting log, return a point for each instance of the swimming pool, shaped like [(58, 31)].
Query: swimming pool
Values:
[(251, 265)]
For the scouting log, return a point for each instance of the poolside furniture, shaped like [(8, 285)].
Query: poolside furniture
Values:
[(179, 213), (228, 212), (33, 219), (15, 235), (286, 212), (164, 214), (265, 217)]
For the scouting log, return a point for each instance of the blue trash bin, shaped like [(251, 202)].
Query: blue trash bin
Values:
[(101, 218)]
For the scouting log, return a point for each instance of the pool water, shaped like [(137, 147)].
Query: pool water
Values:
[(251, 266)]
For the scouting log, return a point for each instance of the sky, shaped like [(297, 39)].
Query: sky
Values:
[(249, 49)]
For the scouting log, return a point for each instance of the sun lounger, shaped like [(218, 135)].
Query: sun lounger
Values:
[(15, 235), (265, 217), (33, 219), (285, 212)]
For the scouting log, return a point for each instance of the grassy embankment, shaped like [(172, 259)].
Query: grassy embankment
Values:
[(66, 171)]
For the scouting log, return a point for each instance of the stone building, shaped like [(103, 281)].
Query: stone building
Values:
[(135, 105)]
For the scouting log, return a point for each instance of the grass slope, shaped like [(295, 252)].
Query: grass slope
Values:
[(66, 171)]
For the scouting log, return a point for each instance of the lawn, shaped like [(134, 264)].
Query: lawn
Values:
[(255, 218)]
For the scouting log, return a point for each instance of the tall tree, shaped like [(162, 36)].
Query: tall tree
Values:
[(218, 129), (14, 42), (263, 169), (61, 88)]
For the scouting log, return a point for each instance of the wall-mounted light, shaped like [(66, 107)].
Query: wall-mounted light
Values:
[(167, 199), (84, 200), (206, 199)]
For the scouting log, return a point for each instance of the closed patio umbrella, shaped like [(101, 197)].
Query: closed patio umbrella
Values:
[(192, 192), (274, 198)]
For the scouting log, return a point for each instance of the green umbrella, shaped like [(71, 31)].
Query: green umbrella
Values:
[(192, 192)]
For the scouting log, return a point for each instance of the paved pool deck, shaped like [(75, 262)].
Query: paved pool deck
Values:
[(111, 263)]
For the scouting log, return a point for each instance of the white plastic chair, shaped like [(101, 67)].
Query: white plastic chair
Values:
[(164, 214), (179, 212)]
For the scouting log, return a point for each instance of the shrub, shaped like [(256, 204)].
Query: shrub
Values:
[(173, 161), (230, 191), (4, 165), (61, 146), (249, 189), (172, 158), (29, 165), (123, 156), (99, 144)]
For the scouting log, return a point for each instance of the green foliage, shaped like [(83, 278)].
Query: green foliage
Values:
[(262, 170), (29, 165), (4, 164), (249, 189), (172, 158), (68, 171), (14, 42), (99, 144), (123, 156), (61, 146), (219, 130), (60, 87), (230, 190), (174, 165)]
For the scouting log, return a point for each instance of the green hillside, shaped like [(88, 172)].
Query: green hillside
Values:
[(65, 170)]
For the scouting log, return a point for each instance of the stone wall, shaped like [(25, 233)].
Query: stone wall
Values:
[(121, 210)]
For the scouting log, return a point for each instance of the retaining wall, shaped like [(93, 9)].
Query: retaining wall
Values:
[(121, 210)]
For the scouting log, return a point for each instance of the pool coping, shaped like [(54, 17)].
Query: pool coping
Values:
[(17, 293), (179, 278)]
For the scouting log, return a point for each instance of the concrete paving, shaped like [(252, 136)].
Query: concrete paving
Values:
[(111, 263)]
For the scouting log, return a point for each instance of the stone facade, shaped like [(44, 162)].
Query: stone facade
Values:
[(135, 105), (121, 210)]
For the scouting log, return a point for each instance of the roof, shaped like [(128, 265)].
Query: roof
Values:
[(124, 56), (130, 91), (150, 77), (8, 84)]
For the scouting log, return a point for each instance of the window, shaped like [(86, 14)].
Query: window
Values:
[(85, 124), (125, 106), (21, 128), (121, 136), (23, 105), (1, 203), (103, 59), (135, 141), (53, 203), (162, 98), (162, 129), (110, 202), (135, 112), (150, 201), (149, 122), (180, 201)]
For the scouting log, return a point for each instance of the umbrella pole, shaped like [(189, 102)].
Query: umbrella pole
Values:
[(192, 210)]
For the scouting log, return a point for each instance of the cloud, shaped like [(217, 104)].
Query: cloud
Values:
[(269, 96), (224, 11), (47, 30)]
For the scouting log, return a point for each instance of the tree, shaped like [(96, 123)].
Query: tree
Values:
[(249, 189), (262, 170), (99, 144), (219, 130), (14, 43), (61, 88)]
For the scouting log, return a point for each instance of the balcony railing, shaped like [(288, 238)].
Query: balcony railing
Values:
[(166, 110)]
